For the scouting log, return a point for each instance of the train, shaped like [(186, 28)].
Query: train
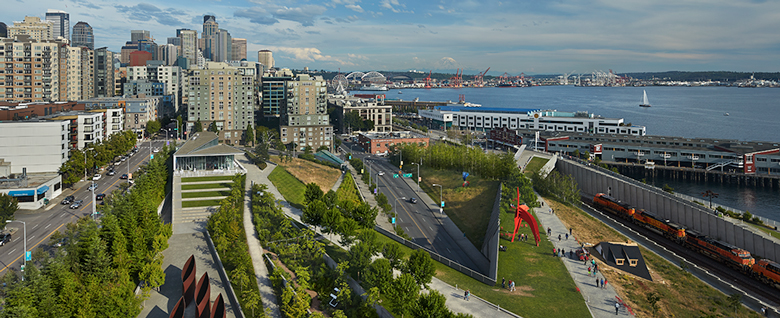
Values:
[(737, 258)]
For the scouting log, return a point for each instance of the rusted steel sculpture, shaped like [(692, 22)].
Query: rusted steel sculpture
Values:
[(178, 310), (203, 297), (188, 280), (218, 310)]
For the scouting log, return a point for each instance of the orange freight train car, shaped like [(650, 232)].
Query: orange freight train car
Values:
[(671, 230), (613, 205), (767, 271), (728, 254)]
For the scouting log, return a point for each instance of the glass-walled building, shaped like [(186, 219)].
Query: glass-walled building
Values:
[(203, 153)]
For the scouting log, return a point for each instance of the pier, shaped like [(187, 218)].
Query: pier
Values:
[(697, 175), (407, 106)]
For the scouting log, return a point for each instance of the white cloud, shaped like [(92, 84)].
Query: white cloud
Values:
[(307, 54), (354, 7)]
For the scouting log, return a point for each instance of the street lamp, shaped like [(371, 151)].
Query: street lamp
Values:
[(441, 190), (709, 194), (24, 254), (418, 174)]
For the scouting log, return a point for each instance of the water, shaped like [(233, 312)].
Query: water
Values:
[(676, 111)]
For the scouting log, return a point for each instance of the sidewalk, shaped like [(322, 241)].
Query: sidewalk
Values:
[(600, 301), (255, 175)]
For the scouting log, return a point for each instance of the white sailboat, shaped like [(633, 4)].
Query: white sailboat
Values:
[(645, 102)]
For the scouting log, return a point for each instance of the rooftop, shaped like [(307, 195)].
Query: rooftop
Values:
[(692, 143), (203, 144), (394, 135)]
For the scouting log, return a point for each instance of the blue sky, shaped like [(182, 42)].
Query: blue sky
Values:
[(507, 36)]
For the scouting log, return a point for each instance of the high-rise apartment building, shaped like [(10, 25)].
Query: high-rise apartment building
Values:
[(189, 44), (304, 118), (274, 92), (171, 76), (83, 36), (60, 21), (32, 27), (32, 70), (168, 53), (174, 41), (223, 95), (239, 49), (209, 35), (81, 69), (137, 35), (266, 58), (104, 73), (224, 49)]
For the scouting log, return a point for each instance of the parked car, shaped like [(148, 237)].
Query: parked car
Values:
[(124, 176), (123, 158), (5, 238), (118, 162), (100, 196), (92, 186), (76, 204), (413, 200), (96, 177), (68, 200), (111, 172)]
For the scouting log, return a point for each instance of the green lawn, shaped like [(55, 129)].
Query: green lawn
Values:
[(291, 188), (204, 194), (203, 179), (468, 207), (197, 203), (205, 186), (535, 164)]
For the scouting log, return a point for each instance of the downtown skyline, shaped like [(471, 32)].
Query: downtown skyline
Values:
[(524, 36)]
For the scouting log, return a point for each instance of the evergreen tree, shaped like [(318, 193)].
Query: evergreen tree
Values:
[(198, 127)]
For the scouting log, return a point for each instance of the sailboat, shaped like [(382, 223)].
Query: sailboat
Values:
[(645, 102)]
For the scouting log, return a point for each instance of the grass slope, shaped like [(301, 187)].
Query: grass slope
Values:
[(205, 186), (535, 164), (468, 207), (308, 172), (291, 188), (204, 194)]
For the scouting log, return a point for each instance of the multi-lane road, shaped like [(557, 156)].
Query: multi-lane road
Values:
[(416, 219), (42, 223)]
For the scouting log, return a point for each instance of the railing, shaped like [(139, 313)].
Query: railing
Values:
[(706, 203), (201, 173), (441, 259)]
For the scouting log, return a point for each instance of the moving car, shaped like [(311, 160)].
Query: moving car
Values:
[(96, 177), (413, 200), (100, 196), (92, 186), (381, 173), (156, 150), (5, 238), (68, 200), (76, 204), (124, 176), (111, 172)]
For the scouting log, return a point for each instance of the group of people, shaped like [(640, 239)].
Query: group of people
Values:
[(523, 238), (559, 252), (601, 283), (511, 284)]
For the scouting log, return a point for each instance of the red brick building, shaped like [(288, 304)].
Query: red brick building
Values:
[(376, 143), (505, 136), (139, 58), (13, 111)]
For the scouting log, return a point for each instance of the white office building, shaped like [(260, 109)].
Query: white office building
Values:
[(38, 146)]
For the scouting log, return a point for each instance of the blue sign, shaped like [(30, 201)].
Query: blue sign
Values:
[(442, 204), (393, 221), (28, 256), (374, 191), (465, 174), (151, 156)]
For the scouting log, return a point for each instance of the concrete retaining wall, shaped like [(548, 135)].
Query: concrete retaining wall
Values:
[(593, 180), (490, 245)]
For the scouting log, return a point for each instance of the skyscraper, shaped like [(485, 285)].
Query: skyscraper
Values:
[(239, 49), (168, 53), (266, 58), (224, 48), (104, 73), (40, 81), (174, 41), (81, 67), (189, 44), (210, 30), (304, 118), (60, 21), (83, 36), (137, 35)]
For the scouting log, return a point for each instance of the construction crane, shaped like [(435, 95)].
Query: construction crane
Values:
[(479, 79), (428, 80)]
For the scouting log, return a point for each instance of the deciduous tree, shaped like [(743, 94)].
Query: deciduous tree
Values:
[(421, 267)]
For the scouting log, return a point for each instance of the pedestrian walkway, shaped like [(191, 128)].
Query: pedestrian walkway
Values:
[(600, 301), (255, 175)]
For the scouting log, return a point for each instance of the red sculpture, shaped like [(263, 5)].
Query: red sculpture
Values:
[(521, 214)]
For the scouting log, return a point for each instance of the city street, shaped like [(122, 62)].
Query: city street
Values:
[(42, 223), (416, 219)]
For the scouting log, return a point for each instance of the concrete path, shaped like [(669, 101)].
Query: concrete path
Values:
[(255, 175), (600, 301)]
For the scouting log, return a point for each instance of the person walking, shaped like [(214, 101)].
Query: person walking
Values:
[(598, 281), (559, 237), (569, 231), (588, 271), (549, 231), (503, 283), (604, 285), (513, 285), (466, 295), (617, 308), (567, 236), (563, 252)]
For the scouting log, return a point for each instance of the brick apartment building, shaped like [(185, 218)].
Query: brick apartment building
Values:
[(376, 143)]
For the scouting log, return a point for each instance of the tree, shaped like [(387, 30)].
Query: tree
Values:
[(249, 135), (307, 150), (198, 127), (312, 193), (314, 213), (294, 304), (359, 257), (734, 301), (667, 188), (353, 120), (379, 274), (152, 127), (652, 300), (393, 253), (421, 267), (8, 206), (337, 142), (403, 293), (213, 127), (431, 305)]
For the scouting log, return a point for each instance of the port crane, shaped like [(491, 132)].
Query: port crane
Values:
[(428, 80), (479, 79), (457, 80)]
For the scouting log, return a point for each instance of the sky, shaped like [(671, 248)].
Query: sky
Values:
[(534, 37)]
